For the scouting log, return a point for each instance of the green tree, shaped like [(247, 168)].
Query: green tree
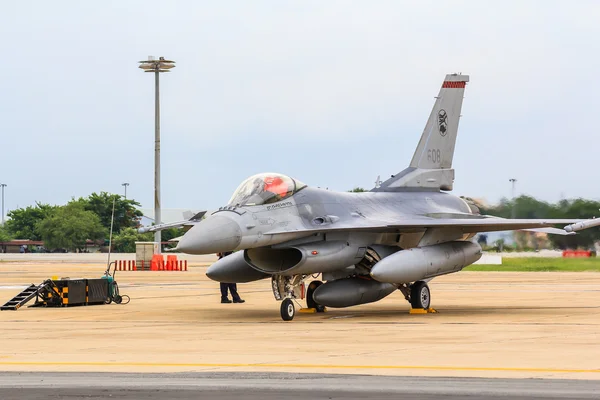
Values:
[(124, 241), (578, 209), (126, 213), (4, 235), (358, 190), (168, 234), (529, 207), (69, 227), (23, 222), (499, 244), (482, 239), (172, 233), (520, 207)]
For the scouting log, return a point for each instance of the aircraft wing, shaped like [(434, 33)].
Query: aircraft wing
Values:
[(188, 222), (467, 225), (493, 224), (551, 231)]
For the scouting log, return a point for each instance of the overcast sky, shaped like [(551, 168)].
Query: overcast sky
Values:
[(333, 93)]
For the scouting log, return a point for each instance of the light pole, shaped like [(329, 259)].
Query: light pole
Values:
[(514, 206), (125, 185), (3, 185), (157, 66)]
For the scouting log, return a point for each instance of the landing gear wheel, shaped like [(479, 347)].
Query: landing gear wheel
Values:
[(287, 310), (310, 302), (420, 297)]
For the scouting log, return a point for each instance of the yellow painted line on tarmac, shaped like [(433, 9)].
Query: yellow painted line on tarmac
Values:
[(301, 366)]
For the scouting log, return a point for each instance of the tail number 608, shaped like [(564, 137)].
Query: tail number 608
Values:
[(434, 155)]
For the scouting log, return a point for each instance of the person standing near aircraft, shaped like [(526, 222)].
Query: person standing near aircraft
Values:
[(232, 287)]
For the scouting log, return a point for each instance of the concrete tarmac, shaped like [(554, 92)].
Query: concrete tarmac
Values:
[(264, 386), (490, 324)]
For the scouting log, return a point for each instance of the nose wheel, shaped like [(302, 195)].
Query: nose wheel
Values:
[(286, 289), (288, 311)]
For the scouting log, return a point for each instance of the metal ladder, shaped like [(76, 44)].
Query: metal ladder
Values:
[(29, 293)]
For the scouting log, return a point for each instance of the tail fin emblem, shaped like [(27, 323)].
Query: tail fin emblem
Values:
[(442, 122)]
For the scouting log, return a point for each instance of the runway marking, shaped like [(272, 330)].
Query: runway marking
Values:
[(302, 366)]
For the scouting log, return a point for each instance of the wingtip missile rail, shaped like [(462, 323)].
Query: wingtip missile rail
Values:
[(590, 223)]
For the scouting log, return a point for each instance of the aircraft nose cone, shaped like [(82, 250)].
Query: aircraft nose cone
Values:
[(213, 235)]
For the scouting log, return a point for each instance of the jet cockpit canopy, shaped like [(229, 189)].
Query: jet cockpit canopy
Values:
[(265, 189)]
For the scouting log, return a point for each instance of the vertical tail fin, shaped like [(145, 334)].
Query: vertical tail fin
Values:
[(436, 147), (431, 165)]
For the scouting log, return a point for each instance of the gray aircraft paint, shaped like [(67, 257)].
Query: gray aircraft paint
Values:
[(350, 237)]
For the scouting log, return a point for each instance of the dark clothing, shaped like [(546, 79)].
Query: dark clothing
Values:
[(225, 254), (232, 289)]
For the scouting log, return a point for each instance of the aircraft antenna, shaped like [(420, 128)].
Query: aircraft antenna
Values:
[(378, 181)]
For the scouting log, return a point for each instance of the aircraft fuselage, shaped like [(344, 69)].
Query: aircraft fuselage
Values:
[(233, 228)]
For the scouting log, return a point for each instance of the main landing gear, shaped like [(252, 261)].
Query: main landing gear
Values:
[(310, 302), (288, 289), (419, 297)]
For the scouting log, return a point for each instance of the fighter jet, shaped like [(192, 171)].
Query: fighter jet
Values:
[(365, 246)]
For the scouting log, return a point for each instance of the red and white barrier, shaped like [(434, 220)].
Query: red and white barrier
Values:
[(158, 263)]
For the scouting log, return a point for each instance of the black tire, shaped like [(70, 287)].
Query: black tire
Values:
[(310, 302), (287, 310), (420, 296)]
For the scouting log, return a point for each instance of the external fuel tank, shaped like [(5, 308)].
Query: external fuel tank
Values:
[(426, 262)]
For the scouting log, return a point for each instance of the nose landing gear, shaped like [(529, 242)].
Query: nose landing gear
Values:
[(288, 289)]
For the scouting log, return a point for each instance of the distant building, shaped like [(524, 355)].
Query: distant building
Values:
[(37, 246)]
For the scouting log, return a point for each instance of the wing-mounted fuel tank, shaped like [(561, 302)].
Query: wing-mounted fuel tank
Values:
[(306, 258), (426, 262), (234, 269), (351, 292)]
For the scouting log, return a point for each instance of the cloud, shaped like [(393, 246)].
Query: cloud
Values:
[(334, 93)]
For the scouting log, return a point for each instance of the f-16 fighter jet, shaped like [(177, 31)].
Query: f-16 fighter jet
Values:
[(398, 236)]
